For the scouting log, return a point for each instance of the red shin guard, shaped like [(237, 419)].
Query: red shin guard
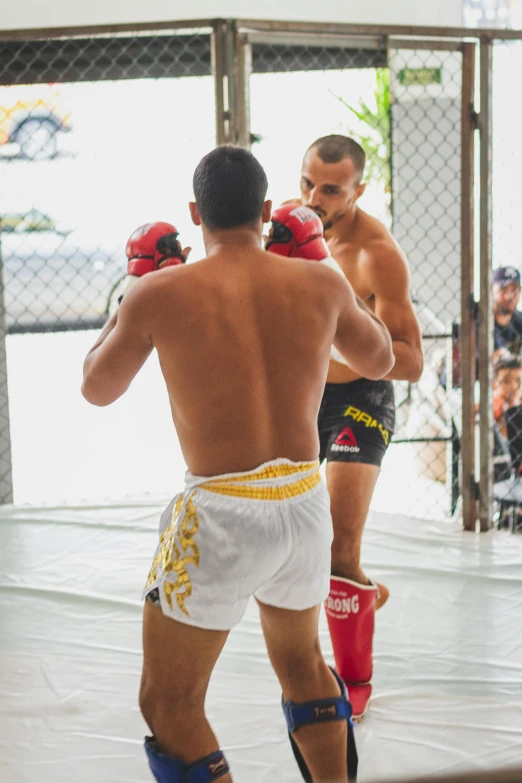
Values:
[(350, 611)]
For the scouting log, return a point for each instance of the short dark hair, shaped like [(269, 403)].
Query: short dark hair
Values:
[(507, 363), (230, 188), (333, 148)]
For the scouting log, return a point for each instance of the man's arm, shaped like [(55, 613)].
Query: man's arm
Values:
[(361, 337), (120, 351), (391, 287)]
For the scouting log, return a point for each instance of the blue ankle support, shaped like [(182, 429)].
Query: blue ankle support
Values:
[(322, 711), (169, 769)]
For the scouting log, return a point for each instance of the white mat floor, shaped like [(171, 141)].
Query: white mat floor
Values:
[(448, 671)]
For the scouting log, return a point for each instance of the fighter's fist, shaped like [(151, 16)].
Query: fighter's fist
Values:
[(152, 246), (297, 232)]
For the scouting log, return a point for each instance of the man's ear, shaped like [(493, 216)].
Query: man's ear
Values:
[(194, 213), (360, 190), (266, 211)]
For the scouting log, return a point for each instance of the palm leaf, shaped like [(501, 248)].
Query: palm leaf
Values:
[(375, 140)]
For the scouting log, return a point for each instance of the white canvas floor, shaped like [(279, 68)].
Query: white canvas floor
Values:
[(448, 664)]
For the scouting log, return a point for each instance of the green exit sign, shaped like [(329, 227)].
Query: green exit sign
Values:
[(422, 76)]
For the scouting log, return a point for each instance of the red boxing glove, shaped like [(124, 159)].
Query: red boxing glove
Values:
[(297, 232), (151, 246)]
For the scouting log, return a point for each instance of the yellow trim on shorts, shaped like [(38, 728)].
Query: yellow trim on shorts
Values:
[(272, 472), (263, 493)]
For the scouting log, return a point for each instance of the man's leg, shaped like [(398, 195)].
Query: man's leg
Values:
[(351, 605), (293, 646), (351, 486), (178, 660)]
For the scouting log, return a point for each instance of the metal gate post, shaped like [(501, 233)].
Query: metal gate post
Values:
[(468, 305), (244, 70), (219, 75), (231, 68), (231, 74), (6, 471), (485, 309)]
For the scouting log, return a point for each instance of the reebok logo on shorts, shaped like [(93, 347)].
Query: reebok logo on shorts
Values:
[(346, 441), (346, 438)]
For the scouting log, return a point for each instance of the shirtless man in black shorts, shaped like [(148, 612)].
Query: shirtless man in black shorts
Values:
[(357, 416)]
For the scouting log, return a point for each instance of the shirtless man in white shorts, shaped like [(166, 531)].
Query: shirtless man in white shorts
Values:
[(245, 361)]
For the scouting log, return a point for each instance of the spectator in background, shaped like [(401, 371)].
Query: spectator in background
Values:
[(507, 339), (508, 320), (507, 388)]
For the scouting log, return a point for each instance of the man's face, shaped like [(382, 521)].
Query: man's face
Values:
[(330, 189), (505, 298), (508, 382)]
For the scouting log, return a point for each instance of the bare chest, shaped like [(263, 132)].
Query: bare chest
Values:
[(350, 258)]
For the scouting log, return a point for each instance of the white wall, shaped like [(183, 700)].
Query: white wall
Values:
[(61, 13)]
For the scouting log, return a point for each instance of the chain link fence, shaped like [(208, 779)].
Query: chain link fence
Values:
[(100, 134), (488, 13), (426, 120), (90, 138), (403, 106)]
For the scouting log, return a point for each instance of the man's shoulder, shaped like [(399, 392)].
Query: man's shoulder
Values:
[(382, 255), (308, 267), (162, 277), (516, 321), (316, 277), (153, 287), (371, 228), (331, 263), (374, 242)]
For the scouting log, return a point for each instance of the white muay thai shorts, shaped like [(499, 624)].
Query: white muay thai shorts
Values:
[(265, 533)]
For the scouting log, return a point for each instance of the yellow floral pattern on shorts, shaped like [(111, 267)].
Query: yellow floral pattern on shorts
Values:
[(176, 551)]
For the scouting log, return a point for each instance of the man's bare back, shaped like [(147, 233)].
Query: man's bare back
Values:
[(244, 343), (234, 313)]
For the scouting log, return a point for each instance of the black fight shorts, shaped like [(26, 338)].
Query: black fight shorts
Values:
[(356, 421)]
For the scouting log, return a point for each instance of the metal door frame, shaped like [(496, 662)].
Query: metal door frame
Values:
[(476, 495)]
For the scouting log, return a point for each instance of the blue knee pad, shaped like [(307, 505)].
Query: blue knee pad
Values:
[(322, 711), (169, 769)]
